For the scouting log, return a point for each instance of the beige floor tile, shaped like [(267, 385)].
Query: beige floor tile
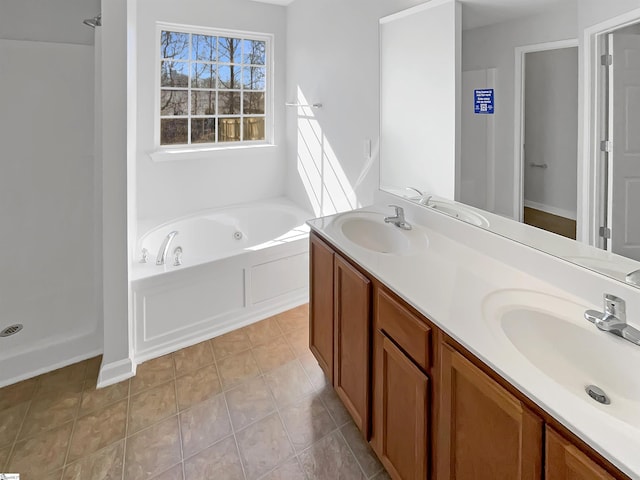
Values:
[(204, 424), (50, 411), (237, 368), (307, 421), (263, 331), (151, 406), (317, 376), (219, 462), (10, 423), (249, 402), (294, 319), (299, 341), (361, 450), (263, 445), (4, 456), (153, 451), (193, 358), (198, 386), (105, 464), (383, 475), (93, 368), (174, 473), (288, 383), (273, 354), (97, 430), (230, 343), (96, 398), (289, 470), (68, 379), (152, 373), (42, 453), (329, 459), (335, 406), (20, 392)]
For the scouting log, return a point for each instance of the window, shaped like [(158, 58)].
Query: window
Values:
[(213, 88)]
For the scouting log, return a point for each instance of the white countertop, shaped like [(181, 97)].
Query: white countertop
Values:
[(448, 282)]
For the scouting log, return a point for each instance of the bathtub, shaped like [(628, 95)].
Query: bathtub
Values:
[(239, 265)]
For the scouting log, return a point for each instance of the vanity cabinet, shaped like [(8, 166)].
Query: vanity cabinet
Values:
[(485, 432), (428, 406), (340, 326), (401, 402), (564, 461)]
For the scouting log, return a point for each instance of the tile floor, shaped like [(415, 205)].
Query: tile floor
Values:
[(251, 404)]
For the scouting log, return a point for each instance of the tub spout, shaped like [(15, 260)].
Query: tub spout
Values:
[(164, 248)]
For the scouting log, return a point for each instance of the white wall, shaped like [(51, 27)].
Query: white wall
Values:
[(494, 47), (57, 21), (169, 189), (332, 57), (49, 277), (551, 131)]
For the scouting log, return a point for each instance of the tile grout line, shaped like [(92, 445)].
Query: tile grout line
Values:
[(75, 419), (24, 419), (178, 412), (126, 429), (226, 404)]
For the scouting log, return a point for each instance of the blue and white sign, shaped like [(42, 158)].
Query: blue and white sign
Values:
[(484, 101)]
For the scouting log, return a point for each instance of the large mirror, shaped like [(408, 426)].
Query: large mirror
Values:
[(494, 114)]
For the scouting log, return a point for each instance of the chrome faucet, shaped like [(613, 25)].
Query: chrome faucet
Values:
[(614, 319), (164, 248), (398, 220), (633, 278)]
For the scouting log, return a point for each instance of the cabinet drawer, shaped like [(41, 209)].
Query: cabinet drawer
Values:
[(405, 328)]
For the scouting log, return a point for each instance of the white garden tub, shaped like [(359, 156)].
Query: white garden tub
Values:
[(239, 264)]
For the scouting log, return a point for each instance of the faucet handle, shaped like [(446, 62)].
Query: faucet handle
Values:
[(615, 307), (399, 210)]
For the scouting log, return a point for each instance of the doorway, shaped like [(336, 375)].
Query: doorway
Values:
[(548, 140), (619, 175)]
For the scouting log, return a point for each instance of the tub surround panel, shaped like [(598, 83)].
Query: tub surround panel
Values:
[(448, 283), (292, 274)]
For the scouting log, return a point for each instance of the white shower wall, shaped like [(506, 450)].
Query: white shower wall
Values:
[(48, 277)]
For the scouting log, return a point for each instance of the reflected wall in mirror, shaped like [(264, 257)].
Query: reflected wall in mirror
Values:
[(537, 158)]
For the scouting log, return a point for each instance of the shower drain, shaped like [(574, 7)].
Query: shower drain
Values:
[(11, 330)]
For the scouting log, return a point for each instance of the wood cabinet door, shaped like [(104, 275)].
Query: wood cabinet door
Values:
[(321, 303), (565, 462), (484, 431), (352, 324), (401, 412)]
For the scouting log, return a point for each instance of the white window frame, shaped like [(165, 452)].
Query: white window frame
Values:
[(163, 152)]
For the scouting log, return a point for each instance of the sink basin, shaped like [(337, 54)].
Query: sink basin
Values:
[(458, 211), (552, 335), (368, 230)]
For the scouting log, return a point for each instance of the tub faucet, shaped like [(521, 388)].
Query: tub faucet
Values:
[(633, 277), (398, 220), (614, 319), (423, 198), (164, 248)]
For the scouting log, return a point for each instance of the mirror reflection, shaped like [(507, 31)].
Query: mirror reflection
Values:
[(540, 143)]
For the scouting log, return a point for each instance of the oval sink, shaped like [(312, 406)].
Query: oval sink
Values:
[(368, 230), (552, 334), (458, 211)]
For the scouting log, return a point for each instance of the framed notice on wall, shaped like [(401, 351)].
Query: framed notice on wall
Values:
[(484, 101)]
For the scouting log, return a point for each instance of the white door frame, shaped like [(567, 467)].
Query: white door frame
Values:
[(590, 135), (518, 124)]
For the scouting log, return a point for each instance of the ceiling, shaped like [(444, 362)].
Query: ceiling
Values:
[(479, 13)]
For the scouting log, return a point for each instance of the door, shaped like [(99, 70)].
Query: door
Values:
[(352, 324), (624, 124), (401, 412), (484, 432), (321, 304), (565, 462)]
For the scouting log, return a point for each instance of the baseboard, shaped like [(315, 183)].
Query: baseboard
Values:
[(560, 212), (115, 372)]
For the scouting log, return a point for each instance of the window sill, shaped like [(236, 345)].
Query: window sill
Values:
[(169, 154)]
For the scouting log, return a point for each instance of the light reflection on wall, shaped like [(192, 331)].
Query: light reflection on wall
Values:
[(324, 180)]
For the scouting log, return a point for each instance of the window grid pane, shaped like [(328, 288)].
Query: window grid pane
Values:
[(213, 89)]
